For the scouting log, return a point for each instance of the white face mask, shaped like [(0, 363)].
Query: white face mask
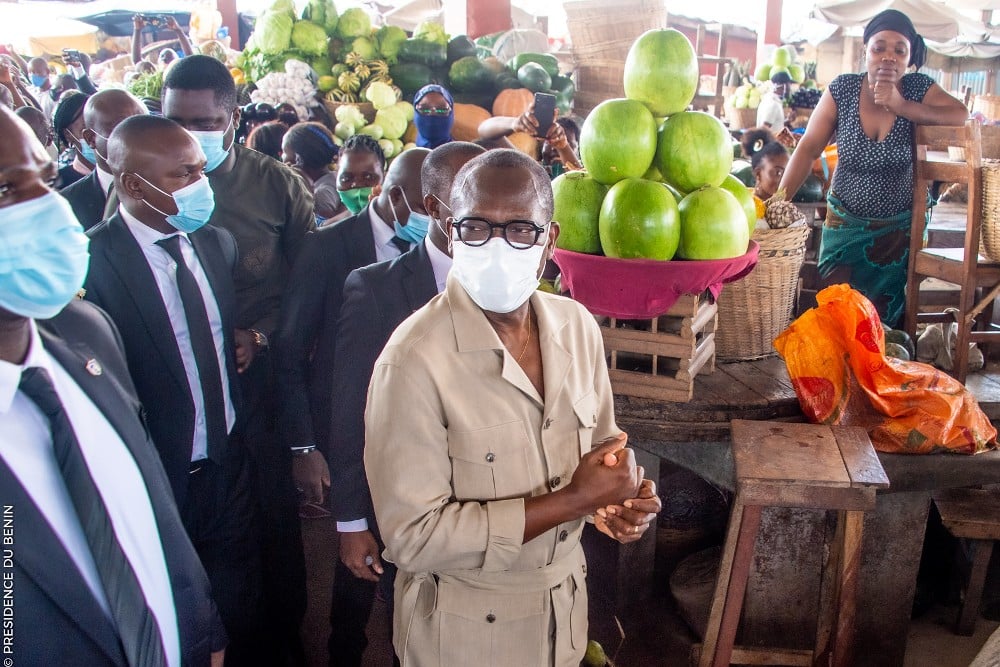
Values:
[(496, 276)]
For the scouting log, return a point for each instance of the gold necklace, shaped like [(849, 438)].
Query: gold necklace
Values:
[(528, 340)]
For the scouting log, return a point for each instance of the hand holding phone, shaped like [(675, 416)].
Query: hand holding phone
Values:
[(545, 113)]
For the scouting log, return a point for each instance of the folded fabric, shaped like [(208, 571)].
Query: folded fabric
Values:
[(640, 289)]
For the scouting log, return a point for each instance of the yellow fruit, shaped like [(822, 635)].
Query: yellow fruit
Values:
[(760, 206)]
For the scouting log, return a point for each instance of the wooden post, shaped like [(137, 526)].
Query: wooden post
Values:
[(487, 16), (771, 34), (230, 19)]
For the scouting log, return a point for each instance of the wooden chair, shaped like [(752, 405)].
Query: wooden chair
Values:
[(795, 465), (717, 101), (978, 278)]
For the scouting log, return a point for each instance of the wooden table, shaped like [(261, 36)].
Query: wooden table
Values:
[(783, 591)]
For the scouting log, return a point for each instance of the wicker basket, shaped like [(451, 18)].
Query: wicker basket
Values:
[(991, 210), (753, 311), (741, 119)]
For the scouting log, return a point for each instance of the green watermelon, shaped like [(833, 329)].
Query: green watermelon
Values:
[(618, 140), (733, 186), (639, 219), (713, 225), (578, 198), (693, 150), (661, 71)]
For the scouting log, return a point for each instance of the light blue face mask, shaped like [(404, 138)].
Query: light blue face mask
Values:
[(38, 80), (213, 144), (415, 229), (86, 152), (44, 257), (195, 204)]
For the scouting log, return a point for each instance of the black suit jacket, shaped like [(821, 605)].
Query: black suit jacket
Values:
[(87, 198), (307, 329), (377, 299), (57, 621), (121, 282)]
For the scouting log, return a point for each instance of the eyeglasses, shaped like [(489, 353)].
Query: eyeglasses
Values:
[(433, 111), (519, 234)]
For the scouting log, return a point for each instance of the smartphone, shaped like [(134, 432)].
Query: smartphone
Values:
[(155, 20), (71, 54), (545, 113)]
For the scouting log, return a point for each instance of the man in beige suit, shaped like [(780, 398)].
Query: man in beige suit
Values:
[(483, 415)]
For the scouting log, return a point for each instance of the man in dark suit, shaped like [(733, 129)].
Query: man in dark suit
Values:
[(376, 299), (93, 198), (307, 331), (68, 608), (164, 277)]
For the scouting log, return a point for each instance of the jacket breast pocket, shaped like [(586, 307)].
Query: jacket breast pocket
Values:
[(585, 409), (490, 463), (492, 628)]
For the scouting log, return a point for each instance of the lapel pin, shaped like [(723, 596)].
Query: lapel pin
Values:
[(94, 367)]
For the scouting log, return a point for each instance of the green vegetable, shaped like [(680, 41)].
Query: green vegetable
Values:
[(423, 52), (494, 65), (406, 109), (564, 89), (344, 130), (389, 37), (508, 80), (273, 32), (256, 64), (147, 85), (534, 77), (350, 114), (374, 131), (309, 38), (381, 95), (326, 83), (283, 6), (321, 64), (485, 44), (354, 23), (319, 12), (548, 62), (339, 69), (392, 121), (387, 147), (460, 47), (469, 74), (410, 77), (365, 47), (431, 32)]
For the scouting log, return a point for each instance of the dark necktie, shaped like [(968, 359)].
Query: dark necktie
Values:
[(203, 345), (137, 628), (402, 244)]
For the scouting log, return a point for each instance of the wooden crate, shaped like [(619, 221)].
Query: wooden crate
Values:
[(659, 358)]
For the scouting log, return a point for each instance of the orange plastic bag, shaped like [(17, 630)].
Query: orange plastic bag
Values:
[(835, 354)]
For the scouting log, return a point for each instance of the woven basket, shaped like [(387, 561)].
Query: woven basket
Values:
[(991, 211), (753, 311), (741, 119)]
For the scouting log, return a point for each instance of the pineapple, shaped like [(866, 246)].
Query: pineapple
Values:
[(780, 212)]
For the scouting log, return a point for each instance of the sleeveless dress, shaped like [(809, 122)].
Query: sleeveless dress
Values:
[(866, 237)]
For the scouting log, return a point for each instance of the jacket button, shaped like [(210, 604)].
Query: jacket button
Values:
[(491, 457), (490, 618), (547, 424), (563, 535), (554, 482)]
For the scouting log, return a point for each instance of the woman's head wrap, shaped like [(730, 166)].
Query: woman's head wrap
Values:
[(68, 109), (897, 21)]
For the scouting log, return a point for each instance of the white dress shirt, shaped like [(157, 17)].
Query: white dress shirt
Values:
[(165, 272), (440, 264), (105, 179), (26, 448), (383, 235)]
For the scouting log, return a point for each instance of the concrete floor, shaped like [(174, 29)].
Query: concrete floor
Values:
[(654, 634)]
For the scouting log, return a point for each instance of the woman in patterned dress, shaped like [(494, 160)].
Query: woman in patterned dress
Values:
[(870, 116)]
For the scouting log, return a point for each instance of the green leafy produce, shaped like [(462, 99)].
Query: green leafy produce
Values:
[(423, 52), (469, 74), (389, 37), (147, 85), (349, 114), (364, 47), (354, 23), (534, 77), (460, 47), (309, 38), (410, 77), (256, 64), (319, 12), (273, 32), (283, 7), (381, 95), (564, 90), (392, 121), (548, 62), (431, 32), (321, 64)]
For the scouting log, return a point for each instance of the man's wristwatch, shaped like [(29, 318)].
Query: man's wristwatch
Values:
[(259, 339)]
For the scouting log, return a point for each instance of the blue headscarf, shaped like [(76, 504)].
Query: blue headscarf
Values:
[(432, 131)]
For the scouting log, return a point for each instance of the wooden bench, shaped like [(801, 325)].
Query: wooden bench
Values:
[(974, 515)]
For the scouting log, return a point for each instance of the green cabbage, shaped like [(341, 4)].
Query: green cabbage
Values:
[(364, 47), (354, 23), (273, 32), (429, 31), (309, 38), (283, 6), (392, 121), (381, 95), (389, 37), (349, 114)]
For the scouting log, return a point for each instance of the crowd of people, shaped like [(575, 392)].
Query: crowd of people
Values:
[(224, 322)]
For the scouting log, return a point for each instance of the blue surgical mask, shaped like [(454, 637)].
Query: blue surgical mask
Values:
[(44, 257), (417, 224), (213, 144), (195, 204), (38, 80), (86, 152)]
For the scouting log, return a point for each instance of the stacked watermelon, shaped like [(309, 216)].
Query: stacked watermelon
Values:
[(657, 181)]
